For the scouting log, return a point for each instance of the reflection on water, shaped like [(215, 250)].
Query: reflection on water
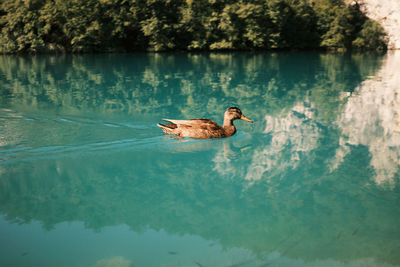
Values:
[(297, 130), (82, 160), (371, 117)]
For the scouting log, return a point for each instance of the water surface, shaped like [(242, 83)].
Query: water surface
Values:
[(88, 179)]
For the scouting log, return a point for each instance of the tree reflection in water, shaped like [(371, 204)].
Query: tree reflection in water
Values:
[(79, 143)]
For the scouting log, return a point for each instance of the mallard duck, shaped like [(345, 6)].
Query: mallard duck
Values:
[(204, 128)]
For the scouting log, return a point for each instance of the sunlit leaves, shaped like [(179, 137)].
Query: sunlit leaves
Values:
[(372, 36), (158, 25)]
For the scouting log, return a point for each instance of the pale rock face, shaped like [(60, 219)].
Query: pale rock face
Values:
[(387, 13)]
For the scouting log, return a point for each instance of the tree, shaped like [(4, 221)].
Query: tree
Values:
[(371, 37), (31, 26), (22, 28)]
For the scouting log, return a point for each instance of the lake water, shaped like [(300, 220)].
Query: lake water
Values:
[(88, 179)]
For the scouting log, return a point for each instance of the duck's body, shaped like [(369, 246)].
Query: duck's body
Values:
[(204, 128), (196, 128)]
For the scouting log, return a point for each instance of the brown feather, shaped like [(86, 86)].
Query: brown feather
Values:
[(203, 128)]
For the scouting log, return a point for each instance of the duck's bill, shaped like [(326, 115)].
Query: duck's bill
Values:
[(245, 119)]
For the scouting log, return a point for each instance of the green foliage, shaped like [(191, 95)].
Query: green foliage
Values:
[(344, 24), (339, 26), (22, 26), (371, 36), (158, 25)]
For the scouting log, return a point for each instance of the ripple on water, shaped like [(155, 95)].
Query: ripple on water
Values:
[(8, 156)]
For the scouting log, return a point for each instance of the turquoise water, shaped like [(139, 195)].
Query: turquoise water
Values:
[(88, 179)]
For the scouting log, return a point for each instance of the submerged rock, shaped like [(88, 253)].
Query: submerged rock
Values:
[(114, 262)]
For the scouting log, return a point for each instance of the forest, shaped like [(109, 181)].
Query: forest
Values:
[(85, 26)]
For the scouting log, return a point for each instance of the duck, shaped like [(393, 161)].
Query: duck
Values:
[(204, 128)]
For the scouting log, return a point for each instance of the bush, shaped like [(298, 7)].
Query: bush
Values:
[(371, 37), (31, 26)]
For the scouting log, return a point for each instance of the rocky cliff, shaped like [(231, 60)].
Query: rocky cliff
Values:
[(387, 13)]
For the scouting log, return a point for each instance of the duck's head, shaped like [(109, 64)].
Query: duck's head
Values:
[(233, 113)]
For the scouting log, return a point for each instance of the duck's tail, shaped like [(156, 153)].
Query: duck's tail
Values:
[(168, 128)]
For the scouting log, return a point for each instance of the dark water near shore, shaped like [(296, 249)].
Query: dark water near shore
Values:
[(88, 179)]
